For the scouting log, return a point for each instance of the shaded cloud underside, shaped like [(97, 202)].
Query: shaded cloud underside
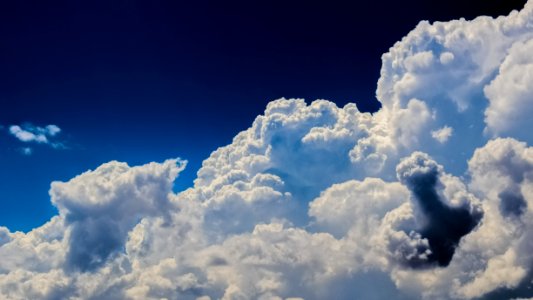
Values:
[(316, 201)]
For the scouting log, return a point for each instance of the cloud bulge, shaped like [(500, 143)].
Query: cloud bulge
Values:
[(429, 198)]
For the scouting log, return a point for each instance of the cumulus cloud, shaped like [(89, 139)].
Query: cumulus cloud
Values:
[(100, 207), (510, 94), (316, 201), (443, 225)]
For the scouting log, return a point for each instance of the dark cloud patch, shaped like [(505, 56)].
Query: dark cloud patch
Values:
[(443, 225), (218, 262), (91, 243), (446, 225), (5, 236), (513, 165), (512, 203)]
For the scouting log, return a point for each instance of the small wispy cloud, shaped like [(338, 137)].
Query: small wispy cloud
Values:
[(29, 133), (26, 150)]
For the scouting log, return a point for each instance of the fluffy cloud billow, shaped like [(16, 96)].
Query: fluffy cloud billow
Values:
[(429, 198)]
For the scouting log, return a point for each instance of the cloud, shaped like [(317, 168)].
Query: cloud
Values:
[(26, 135), (443, 225), (442, 135), (100, 207), (316, 201), (26, 150), (356, 205), (510, 94), (35, 134)]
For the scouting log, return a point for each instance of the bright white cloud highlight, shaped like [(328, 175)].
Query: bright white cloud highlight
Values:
[(442, 135), (511, 93), (314, 201)]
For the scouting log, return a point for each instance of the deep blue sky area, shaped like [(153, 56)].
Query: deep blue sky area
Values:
[(141, 81)]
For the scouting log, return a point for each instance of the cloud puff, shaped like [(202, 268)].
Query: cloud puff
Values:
[(356, 205), (442, 135), (314, 201), (510, 94), (35, 134), (100, 207)]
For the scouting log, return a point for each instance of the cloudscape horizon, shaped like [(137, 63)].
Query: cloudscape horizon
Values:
[(429, 197)]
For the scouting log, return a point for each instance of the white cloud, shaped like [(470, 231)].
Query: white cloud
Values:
[(442, 135), (100, 207), (316, 201), (511, 94), (52, 130), (446, 58), (29, 133), (355, 205)]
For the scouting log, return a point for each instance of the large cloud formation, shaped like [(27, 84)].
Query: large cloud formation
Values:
[(429, 198)]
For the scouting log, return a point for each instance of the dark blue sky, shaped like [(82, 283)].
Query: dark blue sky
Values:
[(141, 81)]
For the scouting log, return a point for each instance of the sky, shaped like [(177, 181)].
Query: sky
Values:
[(141, 81), (167, 150)]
